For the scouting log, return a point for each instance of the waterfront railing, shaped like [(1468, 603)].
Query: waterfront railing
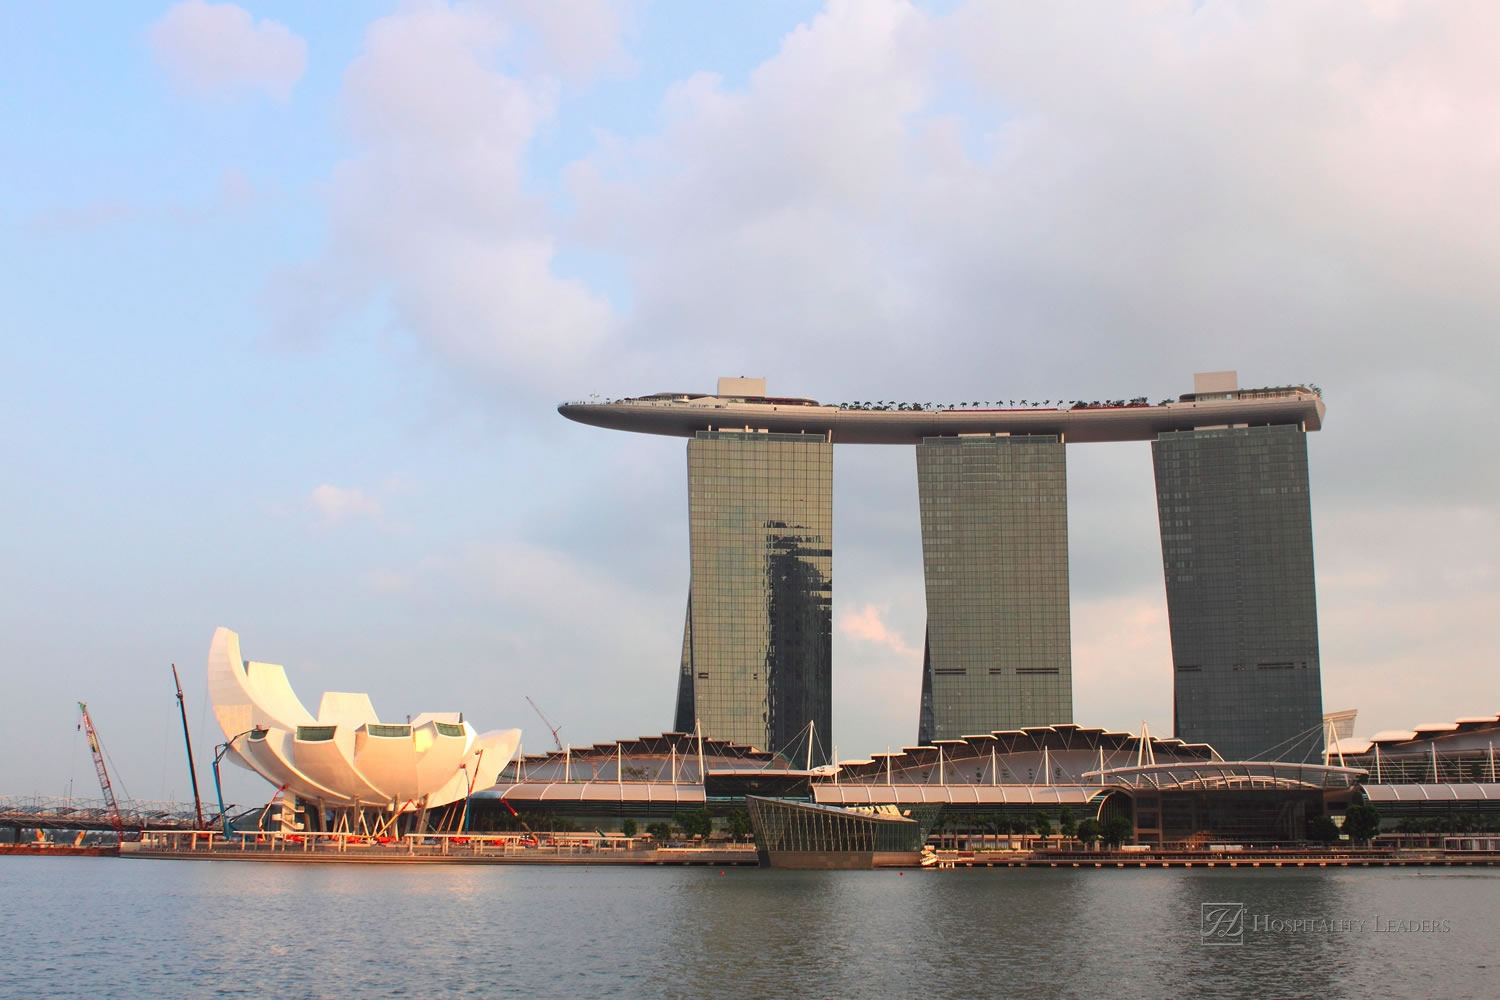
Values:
[(412, 844)]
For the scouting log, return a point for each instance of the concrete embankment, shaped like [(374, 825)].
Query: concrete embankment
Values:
[(400, 854)]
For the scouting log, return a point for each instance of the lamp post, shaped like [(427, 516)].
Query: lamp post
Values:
[(219, 752), (469, 779)]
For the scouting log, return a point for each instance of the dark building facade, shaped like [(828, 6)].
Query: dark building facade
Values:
[(1237, 552), (994, 513), (757, 644)]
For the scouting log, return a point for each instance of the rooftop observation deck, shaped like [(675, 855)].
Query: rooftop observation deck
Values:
[(1074, 421)]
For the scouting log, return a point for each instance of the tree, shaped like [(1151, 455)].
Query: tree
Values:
[(628, 827), (947, 826), (1089, 830), (1117, 830), (1043, 823), (695, 822), (659, 832), (1067, 823), (739, 825), (1361, 822), (1322, 829)]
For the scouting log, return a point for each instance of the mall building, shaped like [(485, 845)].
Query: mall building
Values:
[(1173, 792)]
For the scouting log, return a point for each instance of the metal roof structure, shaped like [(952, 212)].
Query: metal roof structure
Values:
[(1222, 774), (957, 794), (595, 791), (1471, 792)]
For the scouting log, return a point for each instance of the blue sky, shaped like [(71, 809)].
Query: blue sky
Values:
[(291, 297)]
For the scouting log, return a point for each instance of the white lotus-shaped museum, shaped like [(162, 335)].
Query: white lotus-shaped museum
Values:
[(345, 756)]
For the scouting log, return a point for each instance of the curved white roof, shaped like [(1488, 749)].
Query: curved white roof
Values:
[(344, 755)]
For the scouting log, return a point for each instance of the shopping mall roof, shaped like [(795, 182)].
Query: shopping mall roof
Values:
[(957, 794), (1457, 792)]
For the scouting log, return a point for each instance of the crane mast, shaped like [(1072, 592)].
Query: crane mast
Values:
[(555, 729), (87, 725), (188, 740)]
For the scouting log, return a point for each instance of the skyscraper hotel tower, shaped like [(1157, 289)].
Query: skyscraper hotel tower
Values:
[(1232, 492), (1237, 552), (757, 652), (995, 561)]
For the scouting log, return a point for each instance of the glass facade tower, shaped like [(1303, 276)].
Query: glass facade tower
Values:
[(757, 643), (1236, 542), (998, 654)]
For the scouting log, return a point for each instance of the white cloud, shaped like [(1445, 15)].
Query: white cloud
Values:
[(866, 625), (219, 49), (432, 210), (336, 503), (1122, 663), (577, 38)]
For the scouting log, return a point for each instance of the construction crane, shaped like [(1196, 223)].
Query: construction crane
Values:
[(87, 725), (188, 740), (555, 729)]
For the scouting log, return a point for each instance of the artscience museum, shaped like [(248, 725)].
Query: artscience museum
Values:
[(342, 767)]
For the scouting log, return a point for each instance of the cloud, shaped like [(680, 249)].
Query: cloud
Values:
[(432, 212), (1122, 663), (1017, 200), (335, 503), (387, 582), (91, 215), (1004, 200), (866, 625), (575, 38), (220, 50)]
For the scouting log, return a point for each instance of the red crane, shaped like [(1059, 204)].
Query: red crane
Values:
[(87, 725), (555, 729)]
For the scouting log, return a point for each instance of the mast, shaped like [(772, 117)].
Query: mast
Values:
[(188, 742), (104, 786)]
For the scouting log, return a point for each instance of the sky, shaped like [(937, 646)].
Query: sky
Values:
[(291, 294)]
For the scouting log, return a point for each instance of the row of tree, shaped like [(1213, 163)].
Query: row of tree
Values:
[(692, 823), (1361, 823), (1455, 823), (1111, 833)]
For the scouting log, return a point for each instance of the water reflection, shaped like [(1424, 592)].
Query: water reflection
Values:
[(83, 925)]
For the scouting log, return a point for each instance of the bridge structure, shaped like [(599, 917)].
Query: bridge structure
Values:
[(47, 813)]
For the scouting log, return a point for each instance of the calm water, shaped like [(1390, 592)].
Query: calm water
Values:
[(106, 927)]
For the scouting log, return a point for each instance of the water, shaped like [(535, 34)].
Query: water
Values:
[(103, 927)]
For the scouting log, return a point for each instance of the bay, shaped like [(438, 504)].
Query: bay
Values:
[(112, 927)]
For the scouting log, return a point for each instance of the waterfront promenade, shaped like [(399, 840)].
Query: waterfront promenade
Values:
[(578, 849), (431, 848)]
